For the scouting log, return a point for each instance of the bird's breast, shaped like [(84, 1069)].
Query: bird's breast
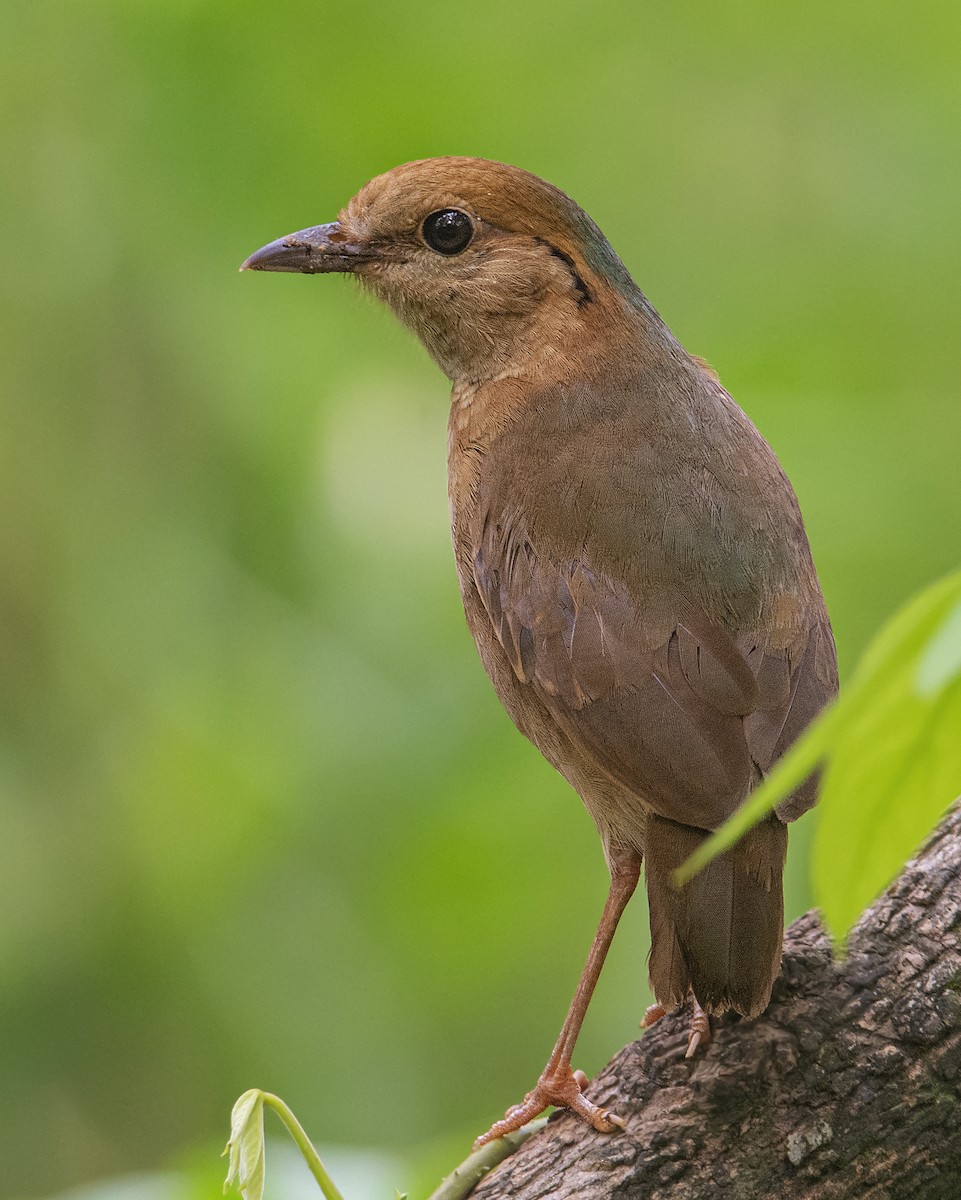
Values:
[(613, 476)]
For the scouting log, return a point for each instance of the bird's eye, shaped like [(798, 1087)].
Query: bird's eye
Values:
[(448, 231)]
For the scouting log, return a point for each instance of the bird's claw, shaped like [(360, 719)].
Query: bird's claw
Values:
[(563, 1089), (700, 1034)]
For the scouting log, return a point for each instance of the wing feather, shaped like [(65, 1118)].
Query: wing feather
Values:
[(686, 722)]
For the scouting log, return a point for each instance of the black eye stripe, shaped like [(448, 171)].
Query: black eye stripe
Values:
[(583, 292), (448, 231)]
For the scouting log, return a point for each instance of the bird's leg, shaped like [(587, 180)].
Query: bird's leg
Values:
[(700, 1032), (559, 1084)]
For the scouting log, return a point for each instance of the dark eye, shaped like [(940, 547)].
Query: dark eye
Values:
[(448, 231)]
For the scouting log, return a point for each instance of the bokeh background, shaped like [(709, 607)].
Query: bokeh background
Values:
[(262, 820)]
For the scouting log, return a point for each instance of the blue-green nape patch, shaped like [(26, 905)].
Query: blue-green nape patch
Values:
[(602, 258)]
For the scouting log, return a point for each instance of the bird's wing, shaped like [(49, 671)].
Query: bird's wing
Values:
[(793, 687), (685, 720)]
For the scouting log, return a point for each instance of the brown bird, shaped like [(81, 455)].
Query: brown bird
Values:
[(631, 556)]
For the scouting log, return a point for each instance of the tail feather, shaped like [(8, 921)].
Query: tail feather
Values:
[(719, 935)]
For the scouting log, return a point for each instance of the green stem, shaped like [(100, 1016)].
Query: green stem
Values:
[(296, 1131), (463, 1179)]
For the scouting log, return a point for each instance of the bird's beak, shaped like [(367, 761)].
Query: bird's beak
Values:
[(322, 248)]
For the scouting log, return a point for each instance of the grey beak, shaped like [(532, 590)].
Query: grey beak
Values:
[(322, 248)]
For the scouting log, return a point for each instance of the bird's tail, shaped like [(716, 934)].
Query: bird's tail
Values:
[(720, 934)]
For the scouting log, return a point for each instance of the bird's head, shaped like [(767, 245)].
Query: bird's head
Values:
[(495, 270)]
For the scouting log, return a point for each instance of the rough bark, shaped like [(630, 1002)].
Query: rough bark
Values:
[(848, 1085)]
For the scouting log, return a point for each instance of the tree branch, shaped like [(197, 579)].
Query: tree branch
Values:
[(848, 1085)]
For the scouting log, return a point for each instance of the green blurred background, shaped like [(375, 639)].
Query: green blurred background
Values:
[(263, 820)]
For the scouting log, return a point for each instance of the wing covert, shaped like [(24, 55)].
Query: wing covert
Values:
[(687, 720)]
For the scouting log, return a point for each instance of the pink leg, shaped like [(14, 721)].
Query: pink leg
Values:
[(559, 1084)]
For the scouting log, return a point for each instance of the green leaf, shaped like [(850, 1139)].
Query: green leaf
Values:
[(941, 661), (896, 766), (793, 768), (892, 745), (245, 1169)]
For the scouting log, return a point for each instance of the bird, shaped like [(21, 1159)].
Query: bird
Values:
[(631, 557)]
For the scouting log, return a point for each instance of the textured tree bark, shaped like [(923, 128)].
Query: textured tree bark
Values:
[(848, 1085)]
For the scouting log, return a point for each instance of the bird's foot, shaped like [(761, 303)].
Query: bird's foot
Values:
[(700, 1034), (563, 1088)]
